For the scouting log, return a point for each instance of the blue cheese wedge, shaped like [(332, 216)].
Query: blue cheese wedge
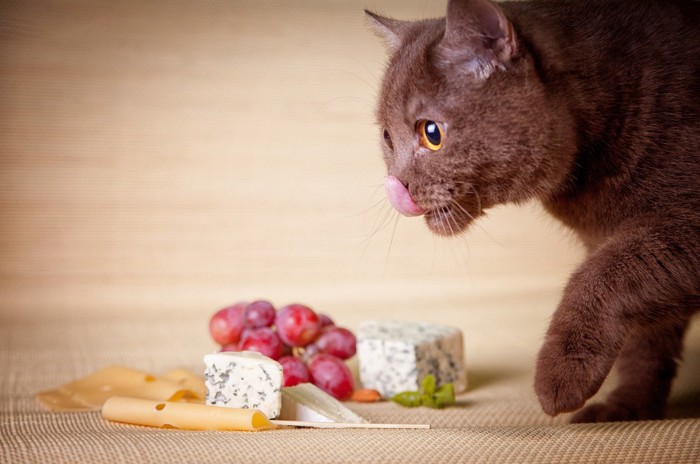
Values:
[(244, 379), (395, 356), (307, 402)]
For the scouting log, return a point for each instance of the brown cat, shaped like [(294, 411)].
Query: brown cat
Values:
[(592, 108)]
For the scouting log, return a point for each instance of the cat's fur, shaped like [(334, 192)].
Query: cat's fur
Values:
[(592, 108)]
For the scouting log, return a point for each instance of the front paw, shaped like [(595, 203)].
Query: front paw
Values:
[(565, 379)]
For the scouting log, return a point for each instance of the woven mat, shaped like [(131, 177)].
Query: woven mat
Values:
[(161, 159), (496, 420)]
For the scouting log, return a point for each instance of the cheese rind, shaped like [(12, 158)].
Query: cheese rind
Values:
[(395, 356), (244, 379)]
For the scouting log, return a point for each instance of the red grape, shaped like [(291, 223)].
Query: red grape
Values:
[(331, 375), (325, 320), (337, 341), (259, 313), (297, 325), (286, 349), (226, 325), (294, 371), (309, 352), (263, 340)]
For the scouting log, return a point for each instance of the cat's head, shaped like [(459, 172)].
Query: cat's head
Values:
[(465, 121)]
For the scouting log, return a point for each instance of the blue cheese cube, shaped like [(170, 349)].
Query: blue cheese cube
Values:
[(395, 356), (245, 379)]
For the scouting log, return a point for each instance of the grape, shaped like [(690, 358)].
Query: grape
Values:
[(226, 325), (337, 341), (286, 349), (294, 371), (309, 352), (259, 313), (325, 320), (331, 375), (297, 325), (263, 340)]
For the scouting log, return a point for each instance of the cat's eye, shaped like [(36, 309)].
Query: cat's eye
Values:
[(387, 139), (431, 134)]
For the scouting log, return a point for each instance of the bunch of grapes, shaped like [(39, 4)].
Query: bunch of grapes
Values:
[(309, 346)]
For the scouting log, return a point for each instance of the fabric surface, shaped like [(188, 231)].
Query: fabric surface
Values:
[(160, 160)]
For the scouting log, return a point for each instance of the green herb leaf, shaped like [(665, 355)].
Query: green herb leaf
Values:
[(428, 396), (428, 401), (408, 398), (445, 395), (429, 385)]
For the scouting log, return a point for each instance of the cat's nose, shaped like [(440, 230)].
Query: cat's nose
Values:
[(400, 198)]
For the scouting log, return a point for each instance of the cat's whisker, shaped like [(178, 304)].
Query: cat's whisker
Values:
[(383, 223), (348, 97), (391, 242), (374, 76), (457, 257), (367, 210), (473, 219), (374, 89)]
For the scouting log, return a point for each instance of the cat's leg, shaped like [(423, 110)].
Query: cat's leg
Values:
[(634, 279), (646, 366)]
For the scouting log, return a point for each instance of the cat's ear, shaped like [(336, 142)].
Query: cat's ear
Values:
[(390, 30), (478, 37)]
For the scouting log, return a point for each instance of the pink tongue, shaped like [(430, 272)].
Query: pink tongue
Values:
[(400, 198)]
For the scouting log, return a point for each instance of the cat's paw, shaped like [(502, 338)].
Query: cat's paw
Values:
[(617, 412), (604, 412), (565, 380)]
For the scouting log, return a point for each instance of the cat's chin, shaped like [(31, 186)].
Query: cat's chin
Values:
[(444, 222)]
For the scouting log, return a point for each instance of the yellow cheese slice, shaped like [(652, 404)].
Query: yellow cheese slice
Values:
[(55, 400), (186, 379), (90, 393), (185, 416)]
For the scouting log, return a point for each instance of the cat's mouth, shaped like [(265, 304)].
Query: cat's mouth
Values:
[(447, 220)]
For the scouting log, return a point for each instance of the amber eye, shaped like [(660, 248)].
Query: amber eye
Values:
[(431, 134), (387, 139)]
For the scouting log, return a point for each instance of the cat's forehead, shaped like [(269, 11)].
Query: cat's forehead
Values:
[(410, 81)]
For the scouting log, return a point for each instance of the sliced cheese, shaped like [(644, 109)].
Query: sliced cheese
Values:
[(55, 400), (185, 416), (90, 393), (307, 402), (188, 380)]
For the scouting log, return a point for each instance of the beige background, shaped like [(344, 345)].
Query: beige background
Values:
[(160, 160)]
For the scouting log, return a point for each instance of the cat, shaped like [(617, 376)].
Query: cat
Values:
[(591, 107)]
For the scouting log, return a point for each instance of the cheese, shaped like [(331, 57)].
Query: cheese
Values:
[(244, 379), (90, 393), (395, 356), (307, 402), (185, 416), (186, 379)]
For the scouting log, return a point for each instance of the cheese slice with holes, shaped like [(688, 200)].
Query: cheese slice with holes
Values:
[(188, 380), (307, 402), (184, 416), (90, 393)]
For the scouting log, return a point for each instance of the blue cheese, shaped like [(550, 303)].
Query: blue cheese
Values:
[(395, 356), (244, 379)]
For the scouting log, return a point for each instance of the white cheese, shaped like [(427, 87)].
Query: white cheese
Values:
[(307, 402), (395, 356), (244, 379)]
